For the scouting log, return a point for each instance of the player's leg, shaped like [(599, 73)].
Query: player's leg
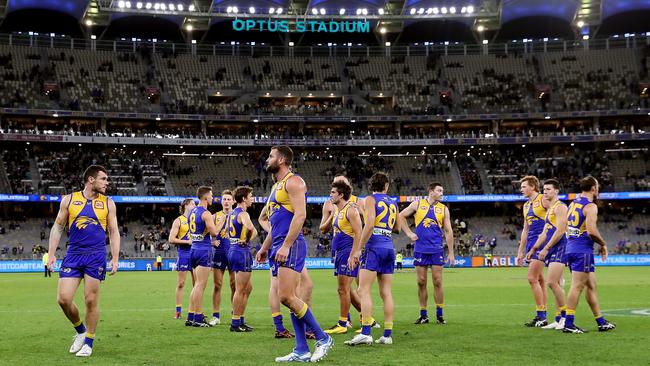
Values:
[(242, 280), (217, 279), (386, 293), (423, 296), (65, 297), (202, 274), (231, 279), (180, 286), (537, 286), (366, 279), (578, 283), (274, 303), (343, 288), (91, 299), (592, 299), (436, 277), (305, 287), (554, 281)]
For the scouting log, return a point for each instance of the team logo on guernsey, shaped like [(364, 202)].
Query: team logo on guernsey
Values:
[(273, 208), (82, 222), (77, 203), (99, 205), (536, 204), (423, 207), (438, 210), (428, 222)]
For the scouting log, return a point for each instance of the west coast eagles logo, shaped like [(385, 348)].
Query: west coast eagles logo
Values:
[(428, 223), (273, 208), (82, 222)]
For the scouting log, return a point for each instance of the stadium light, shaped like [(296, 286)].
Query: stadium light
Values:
[(251, 10), (89, 22), (191, 7), (229, 9), (163, 7), (148, 6), (52, 35), (341, 11), (235, 9), (585, 37), (364, 11), (452, 10), (322, 11), (156, 6), (127, 4), (413, 11), (443, 10), (120, 4), (189, 27), (430, 10), (480, 28), (291, 44), (421, 11), (92, 36), (436, 10), (580, 24), (278, 11), (271, 10), (485, 41), (171, 7), (382, 30), (180, 7), (387, 45), (194, 41), (463, 10), (380, 11), (314, 11), (138, 5)]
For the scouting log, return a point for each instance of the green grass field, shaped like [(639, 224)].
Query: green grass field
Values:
[(485, 310)]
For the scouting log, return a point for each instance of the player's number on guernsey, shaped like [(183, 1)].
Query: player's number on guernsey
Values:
[(574, 216), (391, 211), (193, 222)]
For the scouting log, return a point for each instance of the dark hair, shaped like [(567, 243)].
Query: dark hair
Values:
[(343, 189), (93, 171), (552, 182), (286, 152), (202, 191), (242, 192), (434, 185), (532, 181), (378, 182), (227, 192), (587, 183), (185, 203)]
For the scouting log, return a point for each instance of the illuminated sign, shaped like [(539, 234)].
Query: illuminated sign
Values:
[(303, 26)]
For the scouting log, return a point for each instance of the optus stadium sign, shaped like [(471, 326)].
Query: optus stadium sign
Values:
[(301, 26)]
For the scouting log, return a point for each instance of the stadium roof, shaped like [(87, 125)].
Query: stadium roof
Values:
[(413, 20)]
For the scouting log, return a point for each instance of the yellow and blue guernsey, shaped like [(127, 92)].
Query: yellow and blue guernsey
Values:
[(428, 227), (579, 240), (220, 253), (535, 215), (551, 228), (198, 229), (385, 220), (237, 231), (280, 211), (87, 223), (239, 254), (343, 237), (183, 234)]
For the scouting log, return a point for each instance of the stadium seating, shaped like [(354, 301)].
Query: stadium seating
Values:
[(180, 83)]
